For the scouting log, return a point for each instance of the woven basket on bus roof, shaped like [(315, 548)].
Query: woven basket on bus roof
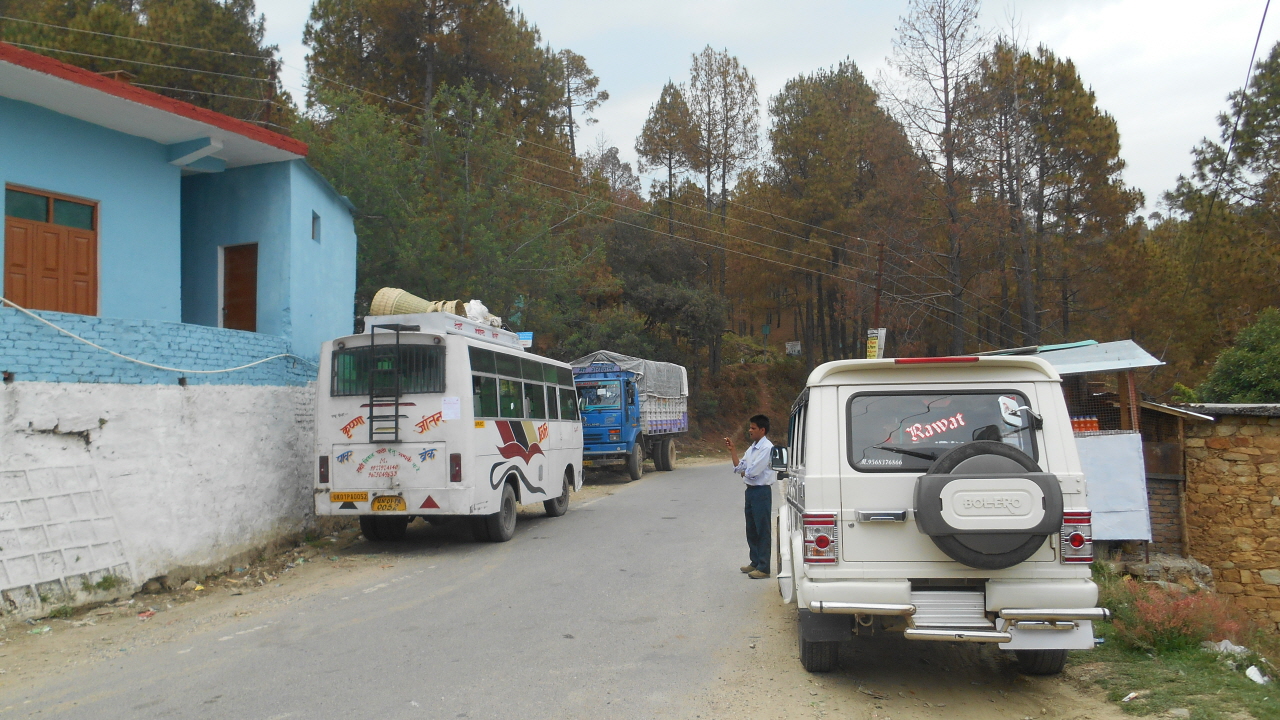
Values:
[(394, 301)]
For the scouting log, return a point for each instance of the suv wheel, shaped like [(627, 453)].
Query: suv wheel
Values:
[(988, 540), (1041, 662), (820, 656)]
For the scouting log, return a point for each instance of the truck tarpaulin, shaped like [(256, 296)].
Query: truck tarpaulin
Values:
[(654, 378)]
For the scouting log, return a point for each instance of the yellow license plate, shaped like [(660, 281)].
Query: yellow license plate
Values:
[(387, 503), (348, 497)]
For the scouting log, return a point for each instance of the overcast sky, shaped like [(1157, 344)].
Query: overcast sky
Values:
[(1162, 68)]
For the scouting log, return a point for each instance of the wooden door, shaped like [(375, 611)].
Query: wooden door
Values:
[(51, 267), (240, 287)]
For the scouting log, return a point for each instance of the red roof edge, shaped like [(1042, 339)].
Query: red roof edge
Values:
[(80, 76)]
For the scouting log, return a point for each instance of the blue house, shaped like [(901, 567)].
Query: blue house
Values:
[(162, 231)]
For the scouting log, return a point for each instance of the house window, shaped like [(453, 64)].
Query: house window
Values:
[(50, 251), (315, 226)]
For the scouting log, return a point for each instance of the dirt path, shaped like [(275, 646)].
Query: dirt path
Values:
[(886, 678)]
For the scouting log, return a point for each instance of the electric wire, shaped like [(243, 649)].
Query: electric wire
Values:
[(68, 333), (138, 62), (140, 40)]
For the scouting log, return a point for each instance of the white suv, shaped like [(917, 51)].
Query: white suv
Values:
[(941, 498)]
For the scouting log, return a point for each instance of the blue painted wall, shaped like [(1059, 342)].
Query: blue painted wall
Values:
[(323, 283), (138, 191), (35, 352), (306, 288)]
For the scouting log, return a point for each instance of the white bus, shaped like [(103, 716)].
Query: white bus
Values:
[(434, 415)]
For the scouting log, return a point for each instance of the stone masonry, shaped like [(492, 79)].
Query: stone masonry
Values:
[(1233, 508), (1164, 499)]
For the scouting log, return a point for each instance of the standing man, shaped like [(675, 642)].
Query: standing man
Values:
[(759, 477)]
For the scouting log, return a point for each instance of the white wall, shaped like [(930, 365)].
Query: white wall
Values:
[(139, 480)]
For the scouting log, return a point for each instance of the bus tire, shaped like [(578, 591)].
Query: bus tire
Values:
[(388, 528), (559, 506), (502, 524), (479, 527), (635, 461)]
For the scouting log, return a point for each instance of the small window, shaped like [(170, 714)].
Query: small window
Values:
[(315, 226), (549, 374), (565, 376), (553, 403), (482, 360), (535, 401), (484, 396), (508, 365), (72, 214), (532, 369), (510, 399), (26, 206), (568, 404)]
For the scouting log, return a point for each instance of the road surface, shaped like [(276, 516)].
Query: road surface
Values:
[(629, 606)]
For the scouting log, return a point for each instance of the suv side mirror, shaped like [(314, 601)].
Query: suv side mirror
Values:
[(778, 459)]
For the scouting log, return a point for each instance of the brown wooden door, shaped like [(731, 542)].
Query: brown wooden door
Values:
[(240, 287), (51, 267)]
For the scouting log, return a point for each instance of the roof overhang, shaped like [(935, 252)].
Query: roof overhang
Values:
[(1087, 356), (197, 139)]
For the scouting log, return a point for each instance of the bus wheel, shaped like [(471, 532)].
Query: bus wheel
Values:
[(559, 506), (479, 527), (370, 528), (635, 461), (389, 528), (502, 524)]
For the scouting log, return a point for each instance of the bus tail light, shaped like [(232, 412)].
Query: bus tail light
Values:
[(1077, 536), (324, 468), (455, 467), (821, 542)]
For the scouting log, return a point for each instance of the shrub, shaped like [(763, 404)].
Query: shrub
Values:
[(65, 611), (1147, 616), (109, 582)]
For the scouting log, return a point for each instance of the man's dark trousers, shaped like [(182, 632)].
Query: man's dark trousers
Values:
[(759, 507)]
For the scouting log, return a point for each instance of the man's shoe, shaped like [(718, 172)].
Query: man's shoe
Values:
[(757, 574), (747, 568)]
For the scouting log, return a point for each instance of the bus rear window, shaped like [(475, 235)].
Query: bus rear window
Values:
[(906, 432), (419, 369)]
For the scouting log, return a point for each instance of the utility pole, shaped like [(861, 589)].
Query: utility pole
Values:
[(875, 314)]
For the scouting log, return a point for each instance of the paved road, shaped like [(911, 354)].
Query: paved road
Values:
[(621, 609)]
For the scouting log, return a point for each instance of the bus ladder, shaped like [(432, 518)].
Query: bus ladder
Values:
[(384, 384)]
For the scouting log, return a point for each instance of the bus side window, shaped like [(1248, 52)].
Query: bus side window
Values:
[(510, 399), (535, 401), (553, 403), (484, 396), (568, 404)]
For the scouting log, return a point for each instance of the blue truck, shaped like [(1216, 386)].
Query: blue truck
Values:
[(632, 409)]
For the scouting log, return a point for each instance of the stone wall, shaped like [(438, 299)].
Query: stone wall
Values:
[(1233, 508), (1164, 500)]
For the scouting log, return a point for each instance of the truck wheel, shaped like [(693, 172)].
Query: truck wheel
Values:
[(559, 506), (635, 461), (818, 657), (502, 524), (1041, 662), (389, 528), (668, 454)]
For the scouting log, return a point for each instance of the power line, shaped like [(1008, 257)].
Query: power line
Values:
[(140, 62), (205, 92), (141, 40)]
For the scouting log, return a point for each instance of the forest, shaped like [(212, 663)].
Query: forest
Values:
[(973, 199)]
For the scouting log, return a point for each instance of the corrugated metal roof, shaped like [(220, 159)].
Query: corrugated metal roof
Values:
[(1180, 412), (1077, 359)]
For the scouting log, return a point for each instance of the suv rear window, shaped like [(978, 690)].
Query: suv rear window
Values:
[(906, 432)]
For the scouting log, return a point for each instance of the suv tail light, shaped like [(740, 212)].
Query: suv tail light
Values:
[(455, 467), (821, 543), (1077, 536)]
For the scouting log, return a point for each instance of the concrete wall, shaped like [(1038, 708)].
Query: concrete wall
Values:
[(141, 481), (1233, 508), (323, 271), (137, 192), (33, 351)]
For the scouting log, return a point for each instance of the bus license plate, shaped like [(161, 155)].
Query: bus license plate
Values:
[(342, 497), (388, 503)]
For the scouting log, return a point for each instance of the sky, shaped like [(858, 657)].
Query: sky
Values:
[(1162, 68)]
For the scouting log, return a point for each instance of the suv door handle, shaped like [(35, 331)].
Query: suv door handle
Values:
[(882, 515)]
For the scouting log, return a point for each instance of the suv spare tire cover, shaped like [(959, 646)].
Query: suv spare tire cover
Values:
[(988, 505)]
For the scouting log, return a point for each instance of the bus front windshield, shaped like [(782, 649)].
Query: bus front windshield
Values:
[(602, 395)]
